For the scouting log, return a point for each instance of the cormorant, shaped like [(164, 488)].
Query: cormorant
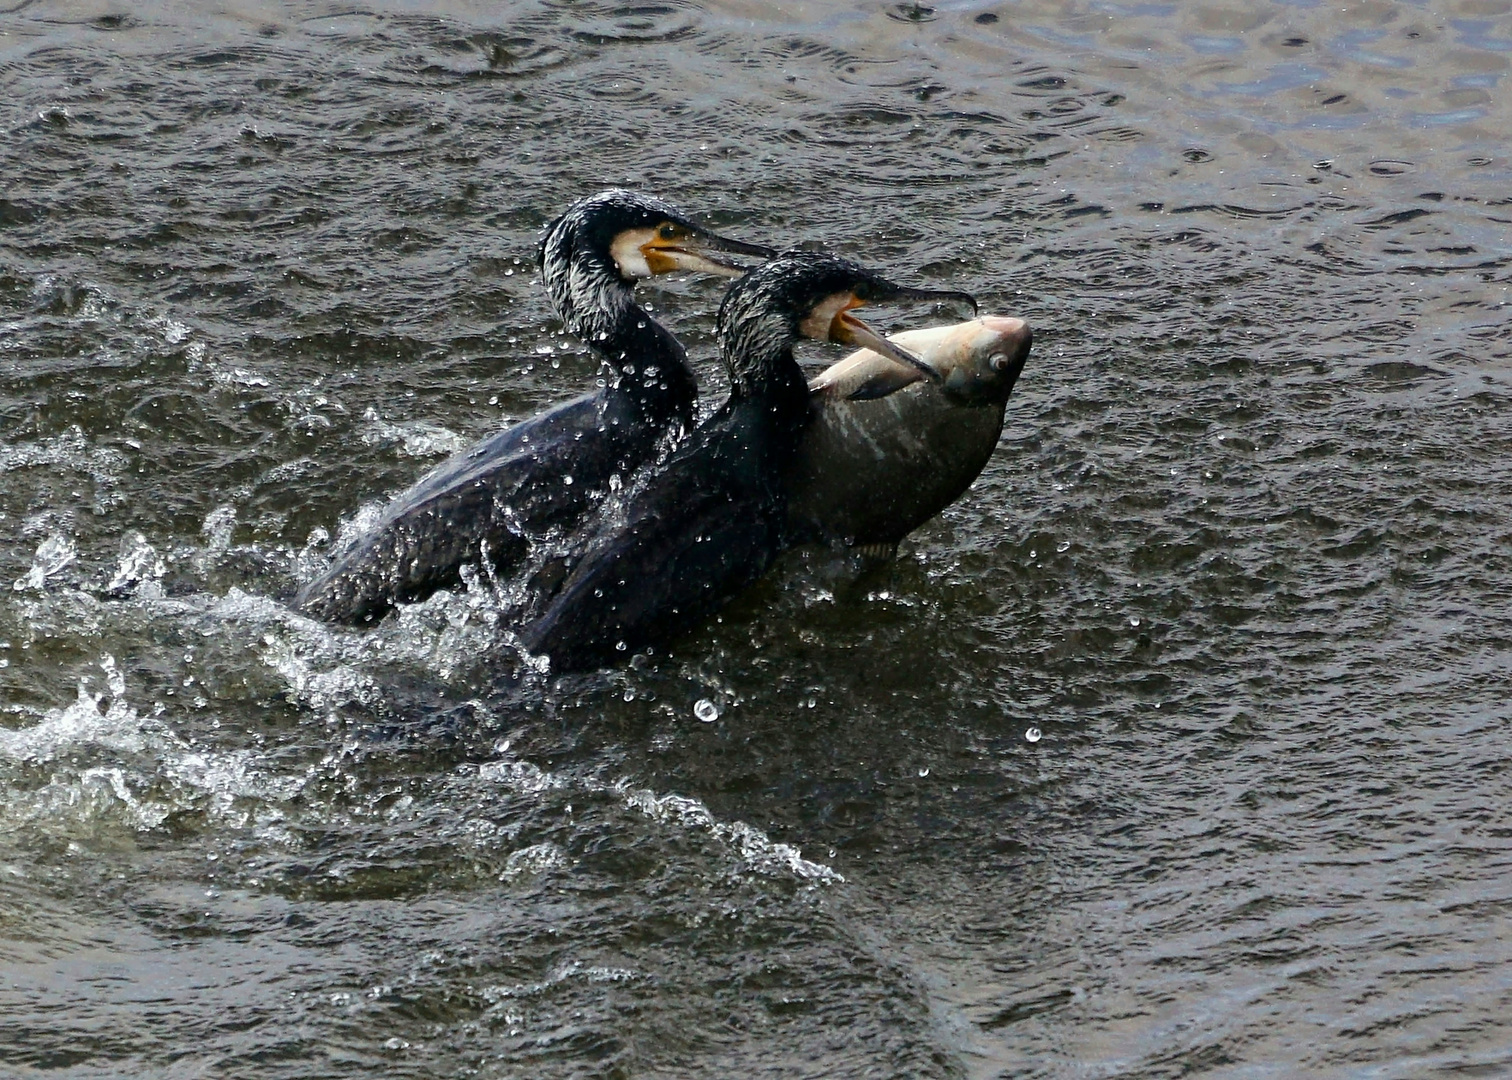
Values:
[(548, 472)]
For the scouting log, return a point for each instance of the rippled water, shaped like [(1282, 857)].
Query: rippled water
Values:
[(1177, 747)]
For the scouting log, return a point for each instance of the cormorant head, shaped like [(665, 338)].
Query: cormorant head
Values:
[(809, 294), (593, 254)]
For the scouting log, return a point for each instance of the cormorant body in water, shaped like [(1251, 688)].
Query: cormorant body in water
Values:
[(548, 472), (712, 519)]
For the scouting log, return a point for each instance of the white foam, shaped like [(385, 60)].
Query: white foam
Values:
[(521, 776), (239, 377), (231, 776), (415, 438), (179, 776), (70, 448), (759, 852), (217, 528), (756, 850), (141, 815), (320, 689), (115, 726), (535, 859), (53, 554), (141, 569), (572, 969)]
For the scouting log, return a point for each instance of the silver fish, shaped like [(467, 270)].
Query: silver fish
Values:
[(887, 449)]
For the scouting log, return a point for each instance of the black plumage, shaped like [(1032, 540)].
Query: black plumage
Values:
[(711, 520), (543, 475)]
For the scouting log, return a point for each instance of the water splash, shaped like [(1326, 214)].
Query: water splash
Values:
[(53, 554), (108, 762), (757, 851), (115, 726), (217, 529), (416, 438), (140, 571), (535, 859)]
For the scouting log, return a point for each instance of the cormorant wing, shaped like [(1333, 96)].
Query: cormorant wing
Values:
[(484, 496), (519, 440)]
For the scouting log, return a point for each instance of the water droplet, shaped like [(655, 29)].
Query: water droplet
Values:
[(924, 771), (620, 646), (706, 710), (1063, 547), (567, 480), (629, 694), (1133, 620), (1033, 735)]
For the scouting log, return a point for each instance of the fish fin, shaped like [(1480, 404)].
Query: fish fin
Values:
[(882, 552), (884, 381)]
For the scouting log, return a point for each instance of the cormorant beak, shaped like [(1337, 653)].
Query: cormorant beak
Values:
[(847, 329), (898, 292), (704, 252)]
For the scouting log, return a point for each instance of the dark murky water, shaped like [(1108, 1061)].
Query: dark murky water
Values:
[(1242, 557)]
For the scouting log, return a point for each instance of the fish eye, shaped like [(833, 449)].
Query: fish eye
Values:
[(999, 363)]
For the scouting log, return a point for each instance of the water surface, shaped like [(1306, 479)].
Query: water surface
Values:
[(1240, 562)]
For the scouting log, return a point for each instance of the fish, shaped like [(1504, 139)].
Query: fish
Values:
[(878, 460)]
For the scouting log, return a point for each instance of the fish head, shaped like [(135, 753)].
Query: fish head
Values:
[(978, 361)]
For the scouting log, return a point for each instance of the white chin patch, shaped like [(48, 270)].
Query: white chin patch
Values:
[(626, 252)]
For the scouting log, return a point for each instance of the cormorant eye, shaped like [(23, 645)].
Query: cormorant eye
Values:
[(668, 231)]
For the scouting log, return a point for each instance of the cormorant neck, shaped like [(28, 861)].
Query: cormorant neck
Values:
[(588, 292), (771, 376), (645, 369)]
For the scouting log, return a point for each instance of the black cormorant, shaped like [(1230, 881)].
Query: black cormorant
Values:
[(546, 473)]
